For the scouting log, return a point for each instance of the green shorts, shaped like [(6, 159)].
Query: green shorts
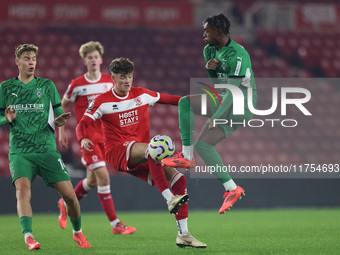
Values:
[(48, 165), (229, 116)]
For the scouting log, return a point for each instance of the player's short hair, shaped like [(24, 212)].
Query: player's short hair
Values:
[(89, 47), (25, 48), (121, 66), (219, 22)]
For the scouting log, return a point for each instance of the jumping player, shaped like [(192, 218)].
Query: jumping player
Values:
[(226, 63), (82, 91), (125, 118)]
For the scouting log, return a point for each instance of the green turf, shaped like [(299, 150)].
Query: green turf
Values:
[(288, 231)]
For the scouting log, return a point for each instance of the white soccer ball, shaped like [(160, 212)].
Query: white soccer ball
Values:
[(161, 146)]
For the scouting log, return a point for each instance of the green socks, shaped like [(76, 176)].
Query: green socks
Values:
[(186, 121), (211, 158), (26, 224), (76, 223)]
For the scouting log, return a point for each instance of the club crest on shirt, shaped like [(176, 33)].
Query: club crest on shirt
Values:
[(39, 94), (138, 101)]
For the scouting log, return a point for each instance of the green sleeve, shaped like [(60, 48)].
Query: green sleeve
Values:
[(56, 101), (207, 56)]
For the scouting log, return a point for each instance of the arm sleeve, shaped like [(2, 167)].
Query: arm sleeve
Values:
[(82, 126), (56, 101), (211, 73), (168, 99)]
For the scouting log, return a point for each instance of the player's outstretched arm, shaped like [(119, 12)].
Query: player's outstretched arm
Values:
[(168, 99), (10, 114), (62, 119)]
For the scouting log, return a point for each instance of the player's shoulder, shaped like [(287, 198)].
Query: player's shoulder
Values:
[(78, 81), (43, 81), (236, 50), (8, 82), (136, 91), (106, 77)]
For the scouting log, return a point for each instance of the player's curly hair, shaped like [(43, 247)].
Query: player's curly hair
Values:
[(121, 66), (25, 48), (89, 47), (219, 22)]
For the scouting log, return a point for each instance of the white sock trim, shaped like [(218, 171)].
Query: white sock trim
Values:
[(114, 223), (175, 178), (76, 232), (230, 185), (188, 152), (182, 226), (104, 189), (167, 195), (85, 186), (27, 235)]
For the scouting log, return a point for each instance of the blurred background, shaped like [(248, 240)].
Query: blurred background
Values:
[(285, 39)]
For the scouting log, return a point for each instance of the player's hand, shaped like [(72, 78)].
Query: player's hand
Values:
[(61, 119), (212, 124), (211, 64), (10, 114), (85, 144), (63, 139)]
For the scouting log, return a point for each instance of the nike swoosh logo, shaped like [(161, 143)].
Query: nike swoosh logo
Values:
[(14, 94)]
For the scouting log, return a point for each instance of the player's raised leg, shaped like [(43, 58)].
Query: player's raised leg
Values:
[(65, 189), (204, 146), (187, 108), (23, 194), (139, 155)]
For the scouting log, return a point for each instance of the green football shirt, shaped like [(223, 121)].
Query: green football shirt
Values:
[(234, 65), (36, 103), (234, 68)]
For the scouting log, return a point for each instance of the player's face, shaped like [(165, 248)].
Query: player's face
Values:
[(123, 83), (27, 63), (93, 60), (210, 35)]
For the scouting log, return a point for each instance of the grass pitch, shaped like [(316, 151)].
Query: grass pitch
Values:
[(273, 231)]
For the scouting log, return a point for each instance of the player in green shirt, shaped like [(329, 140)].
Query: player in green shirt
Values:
[(227, 62), (28, 105)]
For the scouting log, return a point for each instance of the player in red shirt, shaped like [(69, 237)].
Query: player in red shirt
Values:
[(82, 91), (124, 112)]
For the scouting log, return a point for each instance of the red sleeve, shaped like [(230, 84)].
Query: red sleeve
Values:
[(82, 126), (168, 99)]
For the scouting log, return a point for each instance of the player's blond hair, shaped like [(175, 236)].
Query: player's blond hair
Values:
[(25, 48), (121, 66), (89, 47)]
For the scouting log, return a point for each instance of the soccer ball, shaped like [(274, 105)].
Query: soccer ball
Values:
[(161, 146)]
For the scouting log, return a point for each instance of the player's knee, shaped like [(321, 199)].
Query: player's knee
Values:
[(70, 199), (92, 183)]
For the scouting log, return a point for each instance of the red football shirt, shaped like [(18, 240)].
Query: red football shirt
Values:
[(124, 118), (82, 91)]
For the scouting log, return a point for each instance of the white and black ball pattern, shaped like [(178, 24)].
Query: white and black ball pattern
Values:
[(161, 146)]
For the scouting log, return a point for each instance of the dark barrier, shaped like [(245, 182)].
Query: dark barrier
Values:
[(132, 194)]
